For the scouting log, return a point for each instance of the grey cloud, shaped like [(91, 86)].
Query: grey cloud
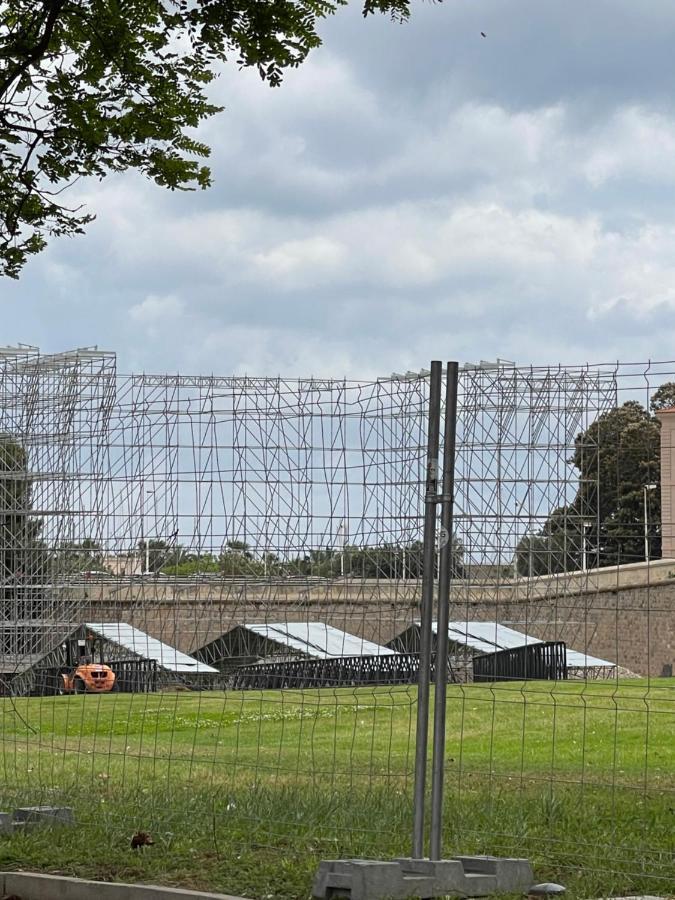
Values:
[(412, 192), (535, 54)]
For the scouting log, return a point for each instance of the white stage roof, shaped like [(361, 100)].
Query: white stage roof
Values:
[(318, 640), (488, 637), (141, 644)]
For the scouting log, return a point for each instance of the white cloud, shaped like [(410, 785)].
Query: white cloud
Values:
[(634, 143), (155, 310), (312, 260)]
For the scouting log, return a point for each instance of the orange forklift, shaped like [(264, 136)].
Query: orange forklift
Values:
[(81, 675)]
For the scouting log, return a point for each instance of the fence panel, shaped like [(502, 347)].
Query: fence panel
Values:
[(252, 548)]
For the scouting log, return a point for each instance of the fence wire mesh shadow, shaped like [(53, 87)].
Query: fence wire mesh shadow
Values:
[(210, 621)]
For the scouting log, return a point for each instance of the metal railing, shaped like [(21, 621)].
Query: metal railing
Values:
[(546, 661)]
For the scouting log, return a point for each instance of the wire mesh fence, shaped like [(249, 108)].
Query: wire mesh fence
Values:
[(210, 628)]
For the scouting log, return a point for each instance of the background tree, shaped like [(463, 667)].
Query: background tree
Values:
[(89, 87), (74, 557), (385, 561), (663, 397), (161, 555), (237, 559), (187, 565), (616, 457), (557, 547)]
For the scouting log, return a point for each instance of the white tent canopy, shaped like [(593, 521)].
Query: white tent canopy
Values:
[(489, 637), (141, 644), (318, 640)]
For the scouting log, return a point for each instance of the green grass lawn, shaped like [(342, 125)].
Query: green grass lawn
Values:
[(245, 793)]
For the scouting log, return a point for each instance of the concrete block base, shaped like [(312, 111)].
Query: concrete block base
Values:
[(513, 875), (466, 876), (5, 823), (446, 876), (359, 879), (43, 816)]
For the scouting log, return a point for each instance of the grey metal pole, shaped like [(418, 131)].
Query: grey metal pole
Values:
[(429, 547), (583, 547), (645, 488), (445, 574)]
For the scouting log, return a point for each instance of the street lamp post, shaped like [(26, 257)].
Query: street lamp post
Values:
[(441, 541), (342, 542), (142, 542), (645, 488), (144, 538), (586, 524)]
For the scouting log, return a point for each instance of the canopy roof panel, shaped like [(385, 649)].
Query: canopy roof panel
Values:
[(141, 644), (489, 637), (317, 639)]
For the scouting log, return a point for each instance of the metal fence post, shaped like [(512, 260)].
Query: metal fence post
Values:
[(445, 574), (430, 501)]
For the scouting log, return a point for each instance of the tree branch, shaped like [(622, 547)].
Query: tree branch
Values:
[(52, 8)]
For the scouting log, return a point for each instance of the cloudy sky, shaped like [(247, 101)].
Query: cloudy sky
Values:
[(413, 192)]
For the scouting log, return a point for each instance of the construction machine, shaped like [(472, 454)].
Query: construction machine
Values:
[(82, 675), (92, 678)]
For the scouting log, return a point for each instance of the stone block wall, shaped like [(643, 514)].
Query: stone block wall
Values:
[(632, 626)]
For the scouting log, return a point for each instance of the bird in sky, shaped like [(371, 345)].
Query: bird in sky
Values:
[(482, 34)]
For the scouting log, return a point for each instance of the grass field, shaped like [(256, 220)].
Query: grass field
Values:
[(244, 793)]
